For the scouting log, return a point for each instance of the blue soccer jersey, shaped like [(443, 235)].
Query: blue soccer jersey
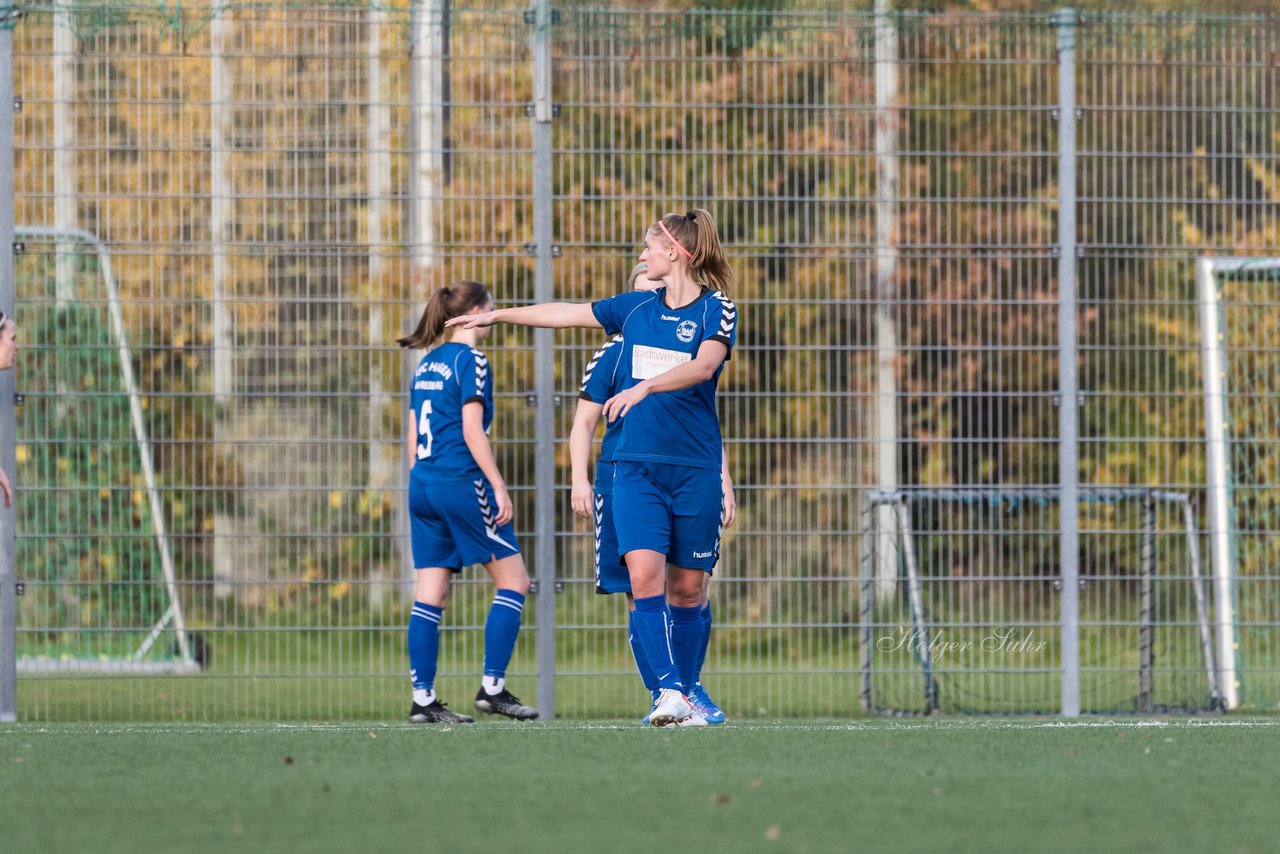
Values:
[(447, 378), (657, 338), (601, 381)]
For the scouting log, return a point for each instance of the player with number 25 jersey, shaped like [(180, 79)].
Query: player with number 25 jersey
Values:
[(460, 512)]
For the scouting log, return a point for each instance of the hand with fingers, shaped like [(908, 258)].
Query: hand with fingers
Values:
[(503, 500), (730, 507), (624, 401), (473, 321), (582, 499)]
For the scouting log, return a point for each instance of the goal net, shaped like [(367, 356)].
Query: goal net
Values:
[(974, 626)]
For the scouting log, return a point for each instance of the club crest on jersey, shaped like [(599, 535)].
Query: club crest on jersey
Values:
[(686, 330)]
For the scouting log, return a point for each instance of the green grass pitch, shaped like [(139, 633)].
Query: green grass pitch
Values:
[(874, 785)]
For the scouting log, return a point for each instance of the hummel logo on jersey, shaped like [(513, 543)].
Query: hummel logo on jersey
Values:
[(686, 330), (667, 317), (703, 554)]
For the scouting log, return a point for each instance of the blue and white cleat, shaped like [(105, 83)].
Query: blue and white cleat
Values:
[(705, 706), (653, 705)]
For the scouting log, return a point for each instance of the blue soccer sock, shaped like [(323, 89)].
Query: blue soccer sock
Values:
[(500, 631), (653, 625), (424, 644), (706, 641), (686, 638), (647, 676)]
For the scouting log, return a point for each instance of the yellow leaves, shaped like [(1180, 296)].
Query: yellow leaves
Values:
[(22, 453), (372, 504), (1264, 176), (339, 590), (1192, 235), (935, 471), (1170, 326), (335, 499)]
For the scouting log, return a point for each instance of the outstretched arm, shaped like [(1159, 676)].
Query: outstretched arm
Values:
[(548, 315), (585, 419)]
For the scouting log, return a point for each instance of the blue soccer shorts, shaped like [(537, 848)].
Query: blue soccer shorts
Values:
[(452, 525), (671, 509), (611, 571)]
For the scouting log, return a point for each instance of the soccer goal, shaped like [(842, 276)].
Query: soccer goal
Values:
[(100, 593), (1239, 302), (975, 628)]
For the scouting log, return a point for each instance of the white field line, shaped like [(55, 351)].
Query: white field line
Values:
[(533, 729)]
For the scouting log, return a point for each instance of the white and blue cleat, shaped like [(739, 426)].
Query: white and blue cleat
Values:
[(704, 706)]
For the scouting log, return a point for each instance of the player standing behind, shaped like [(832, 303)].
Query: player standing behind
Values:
[(666, 486), (601, 381), (458, 504)]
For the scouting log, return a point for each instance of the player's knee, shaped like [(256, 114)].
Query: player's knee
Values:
[(432, 597), (683, 593), (511, 575), (520, 584)]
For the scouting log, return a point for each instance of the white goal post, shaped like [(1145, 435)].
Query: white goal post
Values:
[(1211, 272)]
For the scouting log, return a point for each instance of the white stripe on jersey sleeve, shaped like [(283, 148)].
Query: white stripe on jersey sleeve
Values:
[(728, 314), (482, 370), (595, 358)]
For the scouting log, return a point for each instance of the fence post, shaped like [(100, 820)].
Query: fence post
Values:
[(64, 146), (1146, 605), (887, 172), (544, 471), (8, 451), (1068, 416)]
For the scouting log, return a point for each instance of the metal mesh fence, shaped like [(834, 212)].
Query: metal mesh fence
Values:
[(276, 187)]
